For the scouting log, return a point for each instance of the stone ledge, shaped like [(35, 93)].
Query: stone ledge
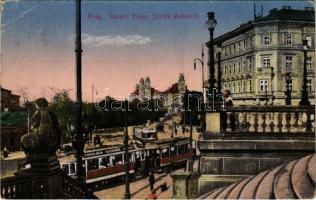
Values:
[(207, 145)]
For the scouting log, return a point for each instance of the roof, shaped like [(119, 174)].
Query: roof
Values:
[(13, 118), (289, 14), (274, 14), (293, 180)]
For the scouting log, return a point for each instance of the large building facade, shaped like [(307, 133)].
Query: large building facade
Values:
[(258, 57), (171, 97)]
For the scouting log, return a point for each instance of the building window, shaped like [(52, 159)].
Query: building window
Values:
[(288, 40), (239, 67), (288, 62), (244, 65), (291, 85), (266, 40), (238, 85), (234, 87), (309, 85), (309, 62), (234, 68), (250, 86), (265, 62), (225, 86), (263, 85), (225, 69), (249, 63), (229, 69), (229, 87), (243, 86)]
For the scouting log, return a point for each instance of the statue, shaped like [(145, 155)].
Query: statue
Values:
[(45, 135)]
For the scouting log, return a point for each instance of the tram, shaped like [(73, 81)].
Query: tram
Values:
[(106, 165)]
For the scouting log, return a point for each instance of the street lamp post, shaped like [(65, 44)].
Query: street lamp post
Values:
[(79, 140), (304, 99), (210, 24), (219, 71), (203, 88), (288, 89), (202, 64), (126, 156)]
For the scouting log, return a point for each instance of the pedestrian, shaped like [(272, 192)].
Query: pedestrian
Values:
[(151, 181), (175, 128), (5, 152), (152, 195)]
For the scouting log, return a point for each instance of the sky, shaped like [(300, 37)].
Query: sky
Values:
[(122, 42)]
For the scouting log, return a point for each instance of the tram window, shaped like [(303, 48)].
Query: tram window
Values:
[(143, 155), (173, 151), (138, 155), (183, 148), (130, 156), (72, 169), (66, 168), (150, 135), (104, 162), (93, 164), (165, 152), (118, 159)]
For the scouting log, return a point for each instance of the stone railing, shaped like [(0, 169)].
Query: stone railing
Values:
[(16, 187), (33, 187), (73, 190), (268, 119)]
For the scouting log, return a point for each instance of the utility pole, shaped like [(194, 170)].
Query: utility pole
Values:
[(79, 140)]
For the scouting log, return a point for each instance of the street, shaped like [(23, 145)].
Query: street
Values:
[(140, 188)]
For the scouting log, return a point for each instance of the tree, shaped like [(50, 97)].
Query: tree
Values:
[(64, 107)]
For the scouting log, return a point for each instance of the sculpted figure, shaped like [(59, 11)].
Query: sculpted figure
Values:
[(45, 133)]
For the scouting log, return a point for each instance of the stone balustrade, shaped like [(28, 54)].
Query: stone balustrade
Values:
[(268, 119), (22, 186)]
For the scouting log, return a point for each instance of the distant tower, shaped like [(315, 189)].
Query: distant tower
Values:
[(141, 88), (181, 84), (147, 88)]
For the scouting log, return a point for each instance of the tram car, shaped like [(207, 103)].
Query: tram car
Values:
[(170, 153), (106, 165), (145, 134)]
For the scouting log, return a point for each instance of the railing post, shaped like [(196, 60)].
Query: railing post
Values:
[(213, 121)]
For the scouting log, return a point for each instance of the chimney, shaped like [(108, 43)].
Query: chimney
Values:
[(286, 7), (309, 9)]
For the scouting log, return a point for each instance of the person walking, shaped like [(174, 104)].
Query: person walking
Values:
[(151, 181)]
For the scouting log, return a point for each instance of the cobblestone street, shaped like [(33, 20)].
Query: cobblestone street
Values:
[(140, 188)]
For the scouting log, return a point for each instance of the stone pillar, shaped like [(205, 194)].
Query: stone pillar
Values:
[(45, 175), (185, 185), (213, 122)]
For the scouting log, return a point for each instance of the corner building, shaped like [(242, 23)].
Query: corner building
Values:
[(258, 56)]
